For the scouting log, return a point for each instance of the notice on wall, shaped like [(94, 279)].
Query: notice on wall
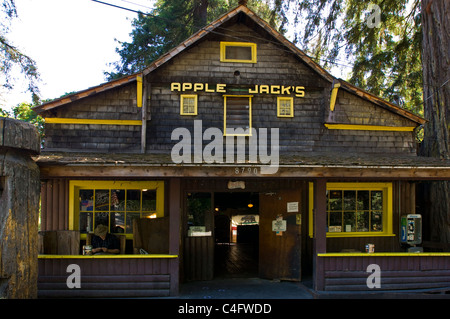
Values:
[(279, 225), (292, 207)]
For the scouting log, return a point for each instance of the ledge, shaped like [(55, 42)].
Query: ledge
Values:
[(106, 256), (384, 255)]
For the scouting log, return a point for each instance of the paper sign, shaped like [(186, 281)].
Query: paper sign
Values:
[(279, 225), (292, 207)]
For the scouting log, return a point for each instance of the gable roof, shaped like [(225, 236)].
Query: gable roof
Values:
[(203, 32)]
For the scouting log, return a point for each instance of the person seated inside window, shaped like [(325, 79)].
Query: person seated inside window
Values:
[(104, 242)]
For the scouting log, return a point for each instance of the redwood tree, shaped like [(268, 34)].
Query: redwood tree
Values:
[(436, 95)]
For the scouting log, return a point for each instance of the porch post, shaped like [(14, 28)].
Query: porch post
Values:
[(320, 240), (174, 235)]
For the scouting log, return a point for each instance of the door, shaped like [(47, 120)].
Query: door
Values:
[(280, 252)]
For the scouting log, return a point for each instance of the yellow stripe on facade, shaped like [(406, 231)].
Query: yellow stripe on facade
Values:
[(54, 120), (357, 127), (400, 254), (118, 256)]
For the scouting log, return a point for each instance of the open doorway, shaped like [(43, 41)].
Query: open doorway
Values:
[(236, 234)]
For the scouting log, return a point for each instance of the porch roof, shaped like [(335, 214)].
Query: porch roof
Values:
[(301, 165)]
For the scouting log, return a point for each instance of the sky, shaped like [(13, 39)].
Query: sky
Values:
[(71, 41)]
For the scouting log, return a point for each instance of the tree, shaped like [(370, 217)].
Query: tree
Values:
[(171, 22), (11, 56), (380, 39), (436, 94)]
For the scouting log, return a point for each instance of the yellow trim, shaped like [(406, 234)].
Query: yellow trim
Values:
[(186, 96), (249, 115), (284, 98), (357, 127), (311, 210), (105, 256), (384, 255), (76, 185), (224, 45), (139, 91), (387, 208), (59, 120), (334, 95)]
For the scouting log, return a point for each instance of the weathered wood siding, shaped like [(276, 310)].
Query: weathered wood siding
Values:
[(55, 204), (200, 63), (114, 104), (349, 273), (109, 277)]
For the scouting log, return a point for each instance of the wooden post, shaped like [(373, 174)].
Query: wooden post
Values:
[(174, 232), (320, 234), (19, 209)]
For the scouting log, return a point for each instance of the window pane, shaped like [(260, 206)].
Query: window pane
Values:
[(118, 200), (363, 200), (335, 200), (101, 219), (102, 200), (285, 107), (133, 200), (238, 53), (148, 200), (130, 217), (86, 222), (377, 221), (349, 222), (362, 221), (117, 222), (189, 105), (377, 200), (86, 200), (349, 200), (199, 212), (335, 219)]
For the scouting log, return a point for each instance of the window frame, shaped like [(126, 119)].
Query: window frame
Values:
[(224, 45), (249, 114), (184, 96), (76, 185), (388, 215), (285, 98)]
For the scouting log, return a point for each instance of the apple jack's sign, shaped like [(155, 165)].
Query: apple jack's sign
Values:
[(299, 91)]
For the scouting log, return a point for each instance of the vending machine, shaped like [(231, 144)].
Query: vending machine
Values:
[(411, 229)]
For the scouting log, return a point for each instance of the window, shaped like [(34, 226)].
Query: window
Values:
[(188, 104), (237, 115), (285, 107), (114, 204), (359, 209), (243, 52)]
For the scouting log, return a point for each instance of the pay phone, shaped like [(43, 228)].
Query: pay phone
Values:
[(411, 229)]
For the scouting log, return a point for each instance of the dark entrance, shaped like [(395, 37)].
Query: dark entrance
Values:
[(236, 230)]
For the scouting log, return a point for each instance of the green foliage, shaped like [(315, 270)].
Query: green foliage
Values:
[(385, 59)]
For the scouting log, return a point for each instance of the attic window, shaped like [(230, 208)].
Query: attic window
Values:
[(285, 107), (242, 52), (188, 104)]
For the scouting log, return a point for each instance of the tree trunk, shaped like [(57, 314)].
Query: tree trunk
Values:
[(200, 13), (436, 95)]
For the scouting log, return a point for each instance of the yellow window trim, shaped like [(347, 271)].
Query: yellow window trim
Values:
[(357, 127), (224, 45), (284, 98), (139, 91), (59, 120), (387, 208), (249, 115), (188, 96), (76, 185)]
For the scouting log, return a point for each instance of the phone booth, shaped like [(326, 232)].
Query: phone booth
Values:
[(411, 229)]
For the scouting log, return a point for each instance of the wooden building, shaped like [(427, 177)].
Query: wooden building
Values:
[(234, 114)]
